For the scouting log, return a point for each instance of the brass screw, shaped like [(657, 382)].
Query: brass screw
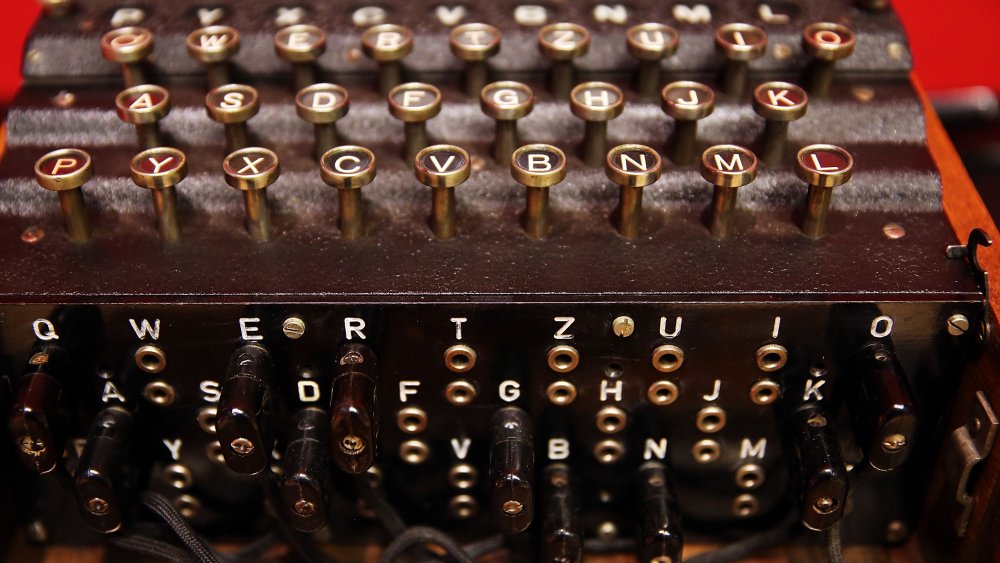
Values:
[(31, 446), (958, 325), (512, 508), (825, 505), (352, 445), (241, 446), (302, 507), (623, 326), (293, 327), (98, 506), (893, 443)]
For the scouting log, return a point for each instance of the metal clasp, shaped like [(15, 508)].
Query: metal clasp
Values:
[(968, 446)]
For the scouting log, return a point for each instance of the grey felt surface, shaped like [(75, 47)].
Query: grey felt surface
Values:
[(893, 170), (69, 48)]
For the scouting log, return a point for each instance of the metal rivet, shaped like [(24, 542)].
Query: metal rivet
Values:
[(706, 451), (460, 392), (607, 530), (745, 505), (150, 359), (64, 99), (662, 392), (771, 357), (460, 358), (463, 506), (896, 531), (764, 392), (33, 234), (463, 476), (178, 476), (609, 451), (893, 231), (411, 420), (561, 392), (160, 393), (478, 163), (187, 505), (863, 94), (710, 419)]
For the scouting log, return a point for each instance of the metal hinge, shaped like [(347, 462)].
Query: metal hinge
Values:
[(969, 251), (968, 446)]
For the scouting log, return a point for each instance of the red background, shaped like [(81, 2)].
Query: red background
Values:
[(950, 42)]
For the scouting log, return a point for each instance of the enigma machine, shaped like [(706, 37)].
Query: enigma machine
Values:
[(410, 281)]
